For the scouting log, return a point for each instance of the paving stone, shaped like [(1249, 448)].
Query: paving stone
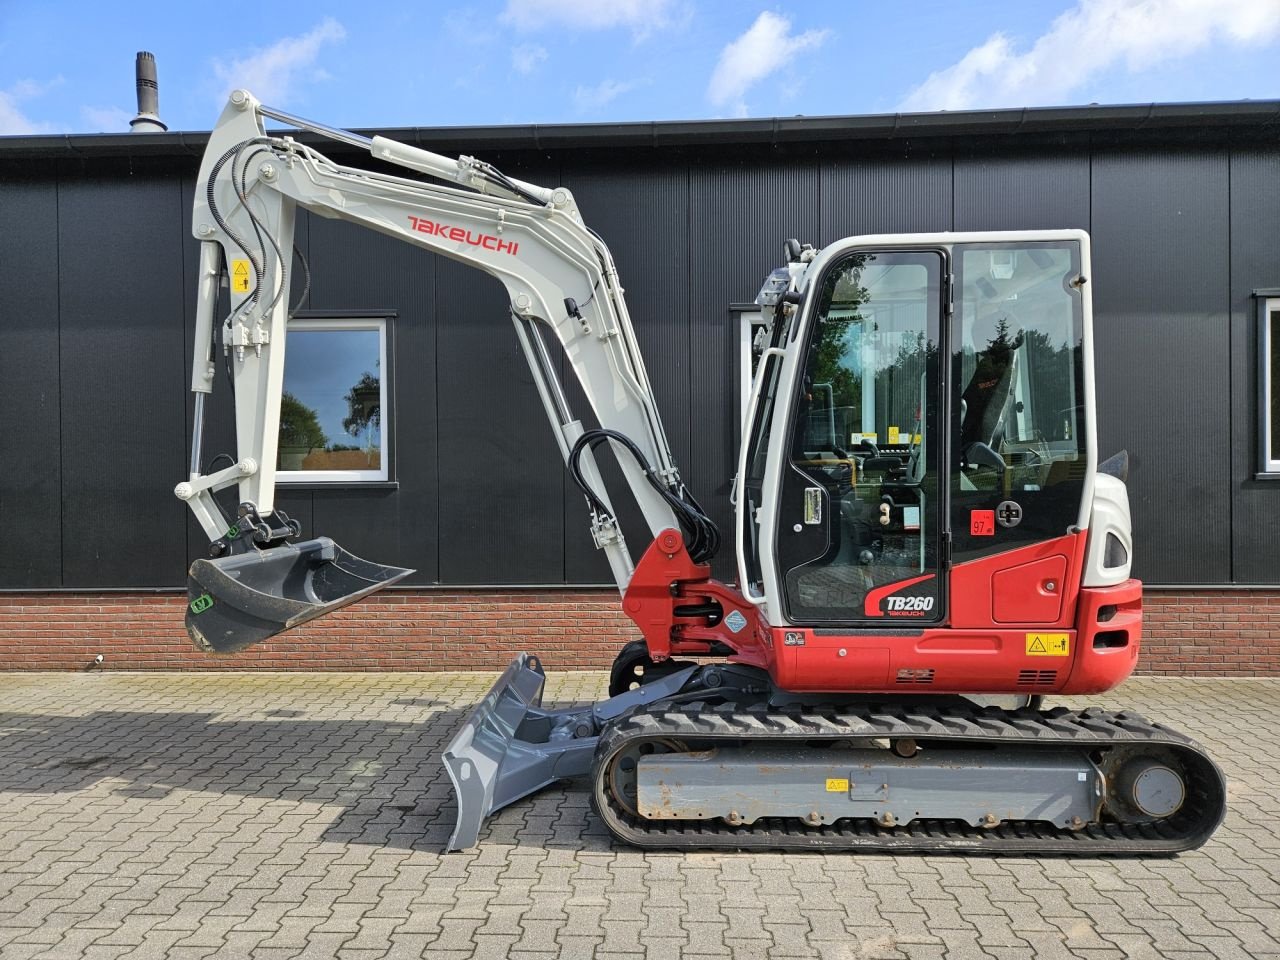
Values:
[(274, 816)]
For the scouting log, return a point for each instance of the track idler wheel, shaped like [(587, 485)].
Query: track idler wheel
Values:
[(1144, 787), (622, 771)]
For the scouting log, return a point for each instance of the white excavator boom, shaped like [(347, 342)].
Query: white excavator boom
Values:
[(563, 288)]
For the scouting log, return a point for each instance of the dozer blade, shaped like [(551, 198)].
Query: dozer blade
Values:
[(242, 599), (509, 747)]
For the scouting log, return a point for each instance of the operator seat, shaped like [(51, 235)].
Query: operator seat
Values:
[(987, 395)]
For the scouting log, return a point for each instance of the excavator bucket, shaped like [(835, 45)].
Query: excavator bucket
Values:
[(242, 599)]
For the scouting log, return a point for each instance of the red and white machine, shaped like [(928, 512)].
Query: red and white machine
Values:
[(921, 519)]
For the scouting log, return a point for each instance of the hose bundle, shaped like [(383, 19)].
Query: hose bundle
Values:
[(701, 535)]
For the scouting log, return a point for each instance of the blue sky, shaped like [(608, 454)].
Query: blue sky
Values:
[(68, 67)]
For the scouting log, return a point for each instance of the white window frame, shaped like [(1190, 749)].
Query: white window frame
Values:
[(1268, 381), (379, 324)]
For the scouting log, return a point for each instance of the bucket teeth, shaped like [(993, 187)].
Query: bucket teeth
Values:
[(236, 601)]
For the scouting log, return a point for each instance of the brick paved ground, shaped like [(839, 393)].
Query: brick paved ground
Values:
[(282, 815)]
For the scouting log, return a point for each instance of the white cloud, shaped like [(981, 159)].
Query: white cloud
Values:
[(1092, 36), (14, 120), (641, 17), (271, 74), (764, 49), (105, 119), (526, 57), (590, 99)]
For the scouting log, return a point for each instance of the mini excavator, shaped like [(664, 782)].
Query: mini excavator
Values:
[(921, 521)]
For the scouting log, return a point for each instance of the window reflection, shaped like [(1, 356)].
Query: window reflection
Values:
[(331, 412)]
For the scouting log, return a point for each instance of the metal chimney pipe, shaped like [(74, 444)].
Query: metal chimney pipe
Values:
[(148, 118)]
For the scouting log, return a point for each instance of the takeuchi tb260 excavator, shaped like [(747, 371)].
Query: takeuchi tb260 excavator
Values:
[(921, 521)]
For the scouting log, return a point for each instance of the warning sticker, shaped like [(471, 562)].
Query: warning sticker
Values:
[(894, 434), (240, 276), (837, 785), (1048, 644)]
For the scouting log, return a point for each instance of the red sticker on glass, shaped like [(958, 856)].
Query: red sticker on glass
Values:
[(982, 523)]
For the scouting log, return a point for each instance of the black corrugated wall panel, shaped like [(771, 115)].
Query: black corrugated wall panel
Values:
[(1022, 190), (30, 495), (904, 194), (123, 374), (739, 215), (1182, 233), (501, 478), (643, 215), (1160, 294), (1255, 264)]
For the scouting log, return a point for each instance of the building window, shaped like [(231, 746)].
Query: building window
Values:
[(1269, 382), (333, 423)]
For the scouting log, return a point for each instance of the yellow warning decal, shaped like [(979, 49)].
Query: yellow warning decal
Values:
[(240, 276), (893, 435), (837, 785), (1048, 644)]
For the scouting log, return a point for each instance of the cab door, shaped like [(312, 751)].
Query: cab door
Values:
[(860, 511), (1020, 459)]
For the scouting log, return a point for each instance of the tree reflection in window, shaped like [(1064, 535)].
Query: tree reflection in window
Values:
[(333, 411), (300, 433), (365, 420), (867, 334)]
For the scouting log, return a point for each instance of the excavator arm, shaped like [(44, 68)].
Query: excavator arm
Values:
[(563, 288)]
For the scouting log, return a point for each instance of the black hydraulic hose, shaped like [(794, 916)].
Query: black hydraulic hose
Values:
[(702, 536), (494, 175), (242, 191), (212, 201), (240, 186), (306, 280)]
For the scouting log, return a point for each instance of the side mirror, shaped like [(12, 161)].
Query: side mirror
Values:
[(1117, 466)]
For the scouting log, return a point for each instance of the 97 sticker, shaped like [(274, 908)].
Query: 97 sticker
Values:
[(982, 523)]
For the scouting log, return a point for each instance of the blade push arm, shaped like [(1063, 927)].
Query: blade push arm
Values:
[(560, 278)]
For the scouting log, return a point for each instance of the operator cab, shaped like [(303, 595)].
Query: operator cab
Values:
[(924, 403)]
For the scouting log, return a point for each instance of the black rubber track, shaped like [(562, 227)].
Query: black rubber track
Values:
[(1092, 729)]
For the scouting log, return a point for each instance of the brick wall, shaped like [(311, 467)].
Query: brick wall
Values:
[(396, 630), (1215, 633)]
